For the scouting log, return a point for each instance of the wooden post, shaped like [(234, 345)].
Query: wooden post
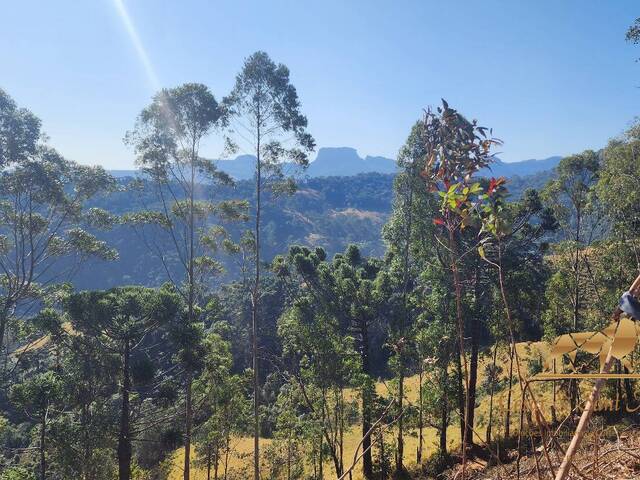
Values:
[(581, 429)]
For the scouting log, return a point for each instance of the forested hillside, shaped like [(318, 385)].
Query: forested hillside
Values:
[(327, 212)]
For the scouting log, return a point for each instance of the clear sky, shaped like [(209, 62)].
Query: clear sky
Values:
[(550, 77)]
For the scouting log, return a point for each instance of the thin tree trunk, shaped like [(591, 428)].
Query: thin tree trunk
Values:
[(404, 319), (191, 316), (43, 435), (341, 430), (367, 462), (473, 380), (320, 453), (187, 427), (400, 452), (226, 456), (383, 463), (444, 415), (443, 427), (3, 327), (420, 417), (209, 462), (573, 386), (124, 437), (507, 417), (216, 462), (254, 316), (289, 457), (493, 385), (461, 394), (459, 315)]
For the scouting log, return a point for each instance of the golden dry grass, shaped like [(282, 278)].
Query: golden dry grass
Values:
[(241, 460)]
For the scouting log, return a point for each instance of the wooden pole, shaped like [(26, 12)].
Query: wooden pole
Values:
[(581, 429)]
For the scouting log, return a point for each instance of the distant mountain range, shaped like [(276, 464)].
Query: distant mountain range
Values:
[(345, 161)]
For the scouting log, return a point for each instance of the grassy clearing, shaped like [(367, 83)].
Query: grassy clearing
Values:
[(240, 463)]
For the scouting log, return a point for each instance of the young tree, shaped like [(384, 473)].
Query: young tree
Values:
[(455, 150), (265, 105), (222, 396), (167, 140), (123, 320), (37, 397), (42, 198)]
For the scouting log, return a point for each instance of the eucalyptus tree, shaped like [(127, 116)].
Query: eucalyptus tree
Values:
[(182, 231), (455, 150), (129, 323), (410, 248), (571, 195), (264, 105), (42, 214), (617, 186)]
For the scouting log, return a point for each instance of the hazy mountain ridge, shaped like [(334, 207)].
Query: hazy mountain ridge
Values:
[(345, 161)]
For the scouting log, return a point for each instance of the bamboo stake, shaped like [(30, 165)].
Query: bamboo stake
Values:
[(565, 466)]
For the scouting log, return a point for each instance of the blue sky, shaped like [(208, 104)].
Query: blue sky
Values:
[(550, 77)]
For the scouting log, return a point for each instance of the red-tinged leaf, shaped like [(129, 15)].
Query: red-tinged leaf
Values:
[(438, 221)]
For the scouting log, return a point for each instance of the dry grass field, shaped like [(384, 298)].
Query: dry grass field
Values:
[(240, 461)]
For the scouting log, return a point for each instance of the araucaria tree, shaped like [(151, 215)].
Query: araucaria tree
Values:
[(125, 321), (184, 231), (266, 114)]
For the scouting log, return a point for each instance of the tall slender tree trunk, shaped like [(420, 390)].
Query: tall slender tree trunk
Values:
[(43, 437), (187, 427), (507, 417), (254, 315), (493, 388), (573, 386), (420, 415), (461, 394), (367, 400), (226, 456), (473, 370), (443, 426), (341, 430), (320, 453), (188, 380), (124, 436), (404, 319), (3, 327), (216, 462), (453, 247)]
